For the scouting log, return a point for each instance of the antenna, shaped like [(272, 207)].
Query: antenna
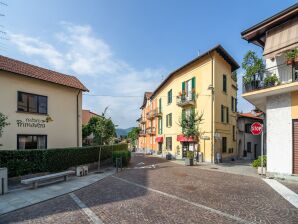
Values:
[(199, 52)]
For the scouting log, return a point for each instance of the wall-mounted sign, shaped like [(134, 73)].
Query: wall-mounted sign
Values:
[(31, 123)]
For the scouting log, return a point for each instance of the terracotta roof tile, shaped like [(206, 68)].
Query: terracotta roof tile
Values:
[(252, 115), (22, 68)]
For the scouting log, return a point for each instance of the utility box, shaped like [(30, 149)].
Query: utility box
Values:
[(3, 181)]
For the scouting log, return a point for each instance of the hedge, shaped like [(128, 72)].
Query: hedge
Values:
[(21, 162), (125, 155)]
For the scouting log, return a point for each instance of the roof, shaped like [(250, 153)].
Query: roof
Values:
[(218, 48), (252, 115), (255, 32), (147, 95), (32, 71)]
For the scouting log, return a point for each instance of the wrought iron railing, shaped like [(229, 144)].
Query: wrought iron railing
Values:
[(186, 99)]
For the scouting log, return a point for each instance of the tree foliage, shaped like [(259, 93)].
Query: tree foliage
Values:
[(191, 124), (253, 66), (3, 123), (133, 135)]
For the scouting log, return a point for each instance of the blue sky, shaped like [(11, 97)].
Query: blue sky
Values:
[(123, 48)]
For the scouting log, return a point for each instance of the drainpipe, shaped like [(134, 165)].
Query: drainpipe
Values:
[(78, 122), (212, 108)]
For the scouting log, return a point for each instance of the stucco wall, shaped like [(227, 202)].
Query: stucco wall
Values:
[(62, 108), (279, 134)]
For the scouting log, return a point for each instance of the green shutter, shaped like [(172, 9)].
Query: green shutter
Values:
[(183, 86), (193, 86), (227, 114), (159, 105), (167, 124), (183, 117), (161, 125), (222, 113), (170, 119)]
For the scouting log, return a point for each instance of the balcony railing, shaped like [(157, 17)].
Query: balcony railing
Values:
[(154, 113), (284, 73), (151, 131), (142, 133), (184, 100)]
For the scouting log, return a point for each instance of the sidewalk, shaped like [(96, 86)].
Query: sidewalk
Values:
[(24, 197)]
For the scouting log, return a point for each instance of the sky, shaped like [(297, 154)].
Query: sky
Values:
[(121, 48)]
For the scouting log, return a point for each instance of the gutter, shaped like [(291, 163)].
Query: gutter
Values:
[(212, 108), (78, 122)]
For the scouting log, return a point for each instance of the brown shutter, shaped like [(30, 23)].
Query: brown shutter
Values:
[(295, 146)]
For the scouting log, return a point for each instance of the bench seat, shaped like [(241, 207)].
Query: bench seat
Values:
[(36, 180)]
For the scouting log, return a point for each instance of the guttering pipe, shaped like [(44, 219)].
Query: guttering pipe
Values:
[(212, 108), (78, 122)]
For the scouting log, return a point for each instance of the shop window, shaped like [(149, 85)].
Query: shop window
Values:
[(32, 103), (31, 141), (169, 143)]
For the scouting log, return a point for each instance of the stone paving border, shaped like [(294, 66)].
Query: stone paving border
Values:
[(218, 212), (24, 198), (94, 218), (285, 192)]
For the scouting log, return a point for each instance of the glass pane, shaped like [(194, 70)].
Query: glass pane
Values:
[(22, 102), (41, 143), (31, 142), (42, 105), (21, 142), (32, 103)]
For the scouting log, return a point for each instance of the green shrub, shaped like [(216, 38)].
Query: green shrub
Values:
[(21, 162), (257, 163), (126, 155), (190, 154)]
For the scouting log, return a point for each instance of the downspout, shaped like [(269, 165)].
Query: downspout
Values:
[(78, 122), (212, 108)]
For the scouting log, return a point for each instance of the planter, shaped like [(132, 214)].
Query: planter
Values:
[(260, 170), (188, 162)]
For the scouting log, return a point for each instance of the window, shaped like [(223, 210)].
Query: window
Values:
[(32, 103), (224, 83), (234, 133), (235, 105), (169, 120), (248, 128), (159, 105), (224, 144), (248, 148), (31, 141), (170, 99), (231, 150), (227, 114), (169, 143), (232, 104), (224, 114), (159, 125)]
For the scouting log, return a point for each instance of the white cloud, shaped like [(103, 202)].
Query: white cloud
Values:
[(92, 59)]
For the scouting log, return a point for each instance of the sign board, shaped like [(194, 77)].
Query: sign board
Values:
[(205, 137), (256, 128)]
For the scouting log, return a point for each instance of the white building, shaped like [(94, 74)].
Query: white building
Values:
[(277, 35)]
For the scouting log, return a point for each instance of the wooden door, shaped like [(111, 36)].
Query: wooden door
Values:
[(295, 146)]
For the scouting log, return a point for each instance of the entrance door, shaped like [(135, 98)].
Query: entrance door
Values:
[(185, 148), (160, 146), (295, 146)]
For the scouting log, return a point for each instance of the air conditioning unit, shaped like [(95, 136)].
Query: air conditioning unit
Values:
[(81, 171), (3, 181)]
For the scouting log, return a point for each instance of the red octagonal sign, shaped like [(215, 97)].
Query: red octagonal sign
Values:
[(256, 128)]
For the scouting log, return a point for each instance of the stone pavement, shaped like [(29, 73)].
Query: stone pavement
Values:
[(156, 191), (24, 197)]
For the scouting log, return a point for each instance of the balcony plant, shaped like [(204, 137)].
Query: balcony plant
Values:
[(254, 69), (290, 56), (296, 55), (189, 158), (270, 81)]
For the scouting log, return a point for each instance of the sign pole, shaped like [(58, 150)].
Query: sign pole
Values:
[(262, 150)]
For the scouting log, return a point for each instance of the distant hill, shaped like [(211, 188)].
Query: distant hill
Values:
[(122, 131)]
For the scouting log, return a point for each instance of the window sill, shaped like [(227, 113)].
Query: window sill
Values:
[(33, 113)]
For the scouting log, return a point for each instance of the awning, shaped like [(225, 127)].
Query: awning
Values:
[(159, 139), (182, 138), (281, 39)]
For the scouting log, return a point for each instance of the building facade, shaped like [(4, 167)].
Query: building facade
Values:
[(278, 36), (248, 145), (205, 85), (44, 108)]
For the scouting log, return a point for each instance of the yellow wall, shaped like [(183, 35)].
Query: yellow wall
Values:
[(294, 105), (62, 108)]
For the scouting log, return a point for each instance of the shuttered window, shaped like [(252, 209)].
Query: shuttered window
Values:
[(224, 83), (224, 144), (170, 98)]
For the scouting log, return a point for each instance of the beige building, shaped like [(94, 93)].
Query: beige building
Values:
[(44, 108)]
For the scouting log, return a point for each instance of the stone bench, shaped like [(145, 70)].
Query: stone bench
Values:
[(36, 180)]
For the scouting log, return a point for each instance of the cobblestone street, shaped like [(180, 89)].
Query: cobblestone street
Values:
[(153, 190)]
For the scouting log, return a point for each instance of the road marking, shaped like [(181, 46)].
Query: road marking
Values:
[(285, 192), (94, 218), (186, 201)]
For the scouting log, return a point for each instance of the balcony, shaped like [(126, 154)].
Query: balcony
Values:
[(151, 131), (142, 120), (183, 100), (275, 80), (142, 133), (154, 113)]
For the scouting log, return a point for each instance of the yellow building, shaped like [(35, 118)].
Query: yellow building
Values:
[(207, 85)]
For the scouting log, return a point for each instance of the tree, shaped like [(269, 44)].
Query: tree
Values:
[(253, 66), (133, 135), (3, 123), (191, 125)]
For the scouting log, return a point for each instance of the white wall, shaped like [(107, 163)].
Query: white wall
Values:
[(279, 134)]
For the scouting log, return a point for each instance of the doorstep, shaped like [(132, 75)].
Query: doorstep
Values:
[(17, 199)]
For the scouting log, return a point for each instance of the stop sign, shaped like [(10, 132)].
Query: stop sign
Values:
[(256, 128)]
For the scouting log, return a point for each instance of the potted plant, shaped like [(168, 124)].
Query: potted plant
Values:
[(296, 55), (270, 81), (189, 158), (258, 164), (290, 55)]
